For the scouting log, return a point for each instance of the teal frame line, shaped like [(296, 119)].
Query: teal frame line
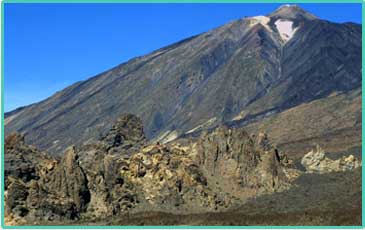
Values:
[(170, 1), (183, 1)]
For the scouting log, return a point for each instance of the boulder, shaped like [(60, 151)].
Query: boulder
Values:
[(316, 162)]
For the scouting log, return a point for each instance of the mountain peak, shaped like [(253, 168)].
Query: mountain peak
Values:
[(291, 12)]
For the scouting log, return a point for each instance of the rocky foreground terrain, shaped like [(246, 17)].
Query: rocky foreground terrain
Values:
[(225, 176)]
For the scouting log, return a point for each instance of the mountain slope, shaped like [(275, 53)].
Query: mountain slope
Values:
[(334, 122), (237, 73)]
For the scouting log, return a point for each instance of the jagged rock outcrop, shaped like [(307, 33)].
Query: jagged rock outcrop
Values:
[(59, 190), (248, 165), (316, 162), (68, 180), (110, 194), (176, 177), (171, 179), (16, 201), (125, 134), (102, 161), (24, 161), (143, 176), (121, 174)]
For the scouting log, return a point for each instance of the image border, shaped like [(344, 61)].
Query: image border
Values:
[(362, 2)]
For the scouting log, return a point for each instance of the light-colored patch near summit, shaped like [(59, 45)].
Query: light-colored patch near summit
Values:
[(285, 29), (263, 20)]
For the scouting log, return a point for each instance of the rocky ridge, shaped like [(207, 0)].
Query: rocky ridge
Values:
[(122, 174)]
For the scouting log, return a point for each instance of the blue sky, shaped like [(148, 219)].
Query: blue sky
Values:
[(50, 46)]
